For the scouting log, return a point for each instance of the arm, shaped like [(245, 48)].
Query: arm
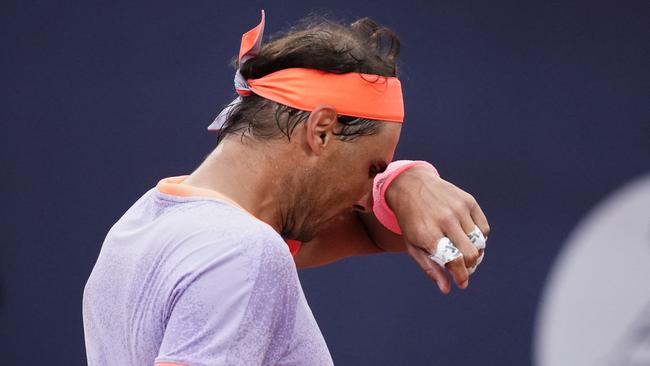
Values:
[(427, 208), (346, 237)]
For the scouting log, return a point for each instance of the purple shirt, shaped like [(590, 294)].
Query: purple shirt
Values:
[(196, 281)]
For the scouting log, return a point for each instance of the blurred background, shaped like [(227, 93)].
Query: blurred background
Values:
[(540, 109)]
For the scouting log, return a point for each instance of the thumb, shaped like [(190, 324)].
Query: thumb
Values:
[(430, 268)]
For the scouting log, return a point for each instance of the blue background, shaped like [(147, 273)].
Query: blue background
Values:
[(538, 108)]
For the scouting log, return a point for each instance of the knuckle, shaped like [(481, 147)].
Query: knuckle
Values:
[(471, 258), (457, 264), (470, 201), (447, 218), (426, 245), (422, 240), (459, 207), (430, 247)]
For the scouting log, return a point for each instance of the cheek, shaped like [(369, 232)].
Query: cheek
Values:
[(341, 195), (358, 186), (347, 181)]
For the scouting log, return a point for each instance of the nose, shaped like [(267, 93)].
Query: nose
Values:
[(364, 204)]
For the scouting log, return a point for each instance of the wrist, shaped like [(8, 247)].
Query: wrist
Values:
[(383, 212), (408, 181)]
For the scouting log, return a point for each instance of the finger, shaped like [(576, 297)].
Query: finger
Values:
[(477, 238), (481, 221), (425, 239), (481, 254), (459, 273), (467, 223), (470, 253), (430, 268)]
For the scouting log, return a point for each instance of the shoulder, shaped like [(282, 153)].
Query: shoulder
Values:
[(220, 222), (211, 219), (212, 231)]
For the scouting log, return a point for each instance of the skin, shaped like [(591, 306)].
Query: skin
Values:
[(317, 188)]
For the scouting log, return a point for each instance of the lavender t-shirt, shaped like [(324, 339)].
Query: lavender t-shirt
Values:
[(196, 281)]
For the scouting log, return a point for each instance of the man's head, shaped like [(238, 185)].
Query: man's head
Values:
[(327, 160), (320, 44)]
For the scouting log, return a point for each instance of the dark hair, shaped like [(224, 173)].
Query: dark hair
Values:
[(316, 43)]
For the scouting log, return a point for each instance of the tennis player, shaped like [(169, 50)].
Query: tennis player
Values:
[(201, 270)]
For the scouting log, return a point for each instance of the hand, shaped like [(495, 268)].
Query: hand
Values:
[(429, 208)]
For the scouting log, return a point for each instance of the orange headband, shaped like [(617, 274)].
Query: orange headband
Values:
[(351, 94)]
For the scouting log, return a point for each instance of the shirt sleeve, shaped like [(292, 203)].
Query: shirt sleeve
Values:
[(237, 308)]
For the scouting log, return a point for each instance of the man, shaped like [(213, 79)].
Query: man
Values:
[(198, 271)]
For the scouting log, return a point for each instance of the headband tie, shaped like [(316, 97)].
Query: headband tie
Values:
[(351, 94)]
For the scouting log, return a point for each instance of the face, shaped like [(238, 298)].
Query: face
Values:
[(342, 179)]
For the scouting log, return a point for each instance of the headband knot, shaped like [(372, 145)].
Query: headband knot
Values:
[(351, 94)]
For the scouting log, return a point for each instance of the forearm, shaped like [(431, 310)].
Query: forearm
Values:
[(353, 234), (384, 239)]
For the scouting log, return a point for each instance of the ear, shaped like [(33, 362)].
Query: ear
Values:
[(320, 128)]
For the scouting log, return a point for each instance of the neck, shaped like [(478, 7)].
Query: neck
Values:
[(249, 174)]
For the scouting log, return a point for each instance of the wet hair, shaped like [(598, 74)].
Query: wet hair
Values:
[(316, 43)]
